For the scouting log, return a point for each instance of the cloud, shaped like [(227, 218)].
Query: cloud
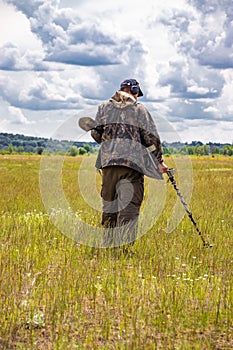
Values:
[(88, 33), (17, 116), (188, 80), (206, 34), (207, 7), (207, 110), (217, 56), (211, 109), (65, 17), (68, 39), (86, 45), (71, 55), (9, 57), (29, 8), (40, 14), (12, 59), (46, 91), (198, 90), (178, 19), (79, 55), (12, 117)]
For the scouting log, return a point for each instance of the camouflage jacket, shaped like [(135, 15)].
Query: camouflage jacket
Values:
[(128, 135)]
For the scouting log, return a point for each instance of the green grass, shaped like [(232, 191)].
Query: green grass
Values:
[(59, 294)]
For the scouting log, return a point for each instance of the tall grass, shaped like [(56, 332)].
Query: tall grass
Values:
[(171, 294)]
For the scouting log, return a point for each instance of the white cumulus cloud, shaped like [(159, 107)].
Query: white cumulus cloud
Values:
[(17, 116), (71, 55)]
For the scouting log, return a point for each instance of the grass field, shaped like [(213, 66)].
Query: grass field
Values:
[(59, 294)]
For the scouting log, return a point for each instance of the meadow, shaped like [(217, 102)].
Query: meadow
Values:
[(171, 294)]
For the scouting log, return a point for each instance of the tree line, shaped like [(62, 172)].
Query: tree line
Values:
[(17, 143), (198, 148)]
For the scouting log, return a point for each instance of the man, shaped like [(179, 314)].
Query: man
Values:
[(129, 143)]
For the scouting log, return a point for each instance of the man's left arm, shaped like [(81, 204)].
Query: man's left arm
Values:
[(98, 131)]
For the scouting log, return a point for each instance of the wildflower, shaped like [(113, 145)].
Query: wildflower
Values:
[(37, 320)]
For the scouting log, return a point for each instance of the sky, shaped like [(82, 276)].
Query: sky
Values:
[(60, 59)]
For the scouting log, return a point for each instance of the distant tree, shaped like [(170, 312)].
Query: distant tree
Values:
[(198, 150), (41, 144), (82, 151), (20, 149), (227, 150), (173, 150), (184, 150), (206, 150), (32, 144), (190, 150), (40, 150), (166, 150), (215, 150), (73, 151), (87, 147), (16, 143), (10, 148)]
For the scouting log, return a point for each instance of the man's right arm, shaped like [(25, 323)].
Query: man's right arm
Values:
[(150, 139), (149, 134)]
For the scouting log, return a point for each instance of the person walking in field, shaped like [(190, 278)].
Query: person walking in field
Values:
[(130, 148)]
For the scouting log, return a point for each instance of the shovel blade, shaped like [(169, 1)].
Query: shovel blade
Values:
[(87, 123)]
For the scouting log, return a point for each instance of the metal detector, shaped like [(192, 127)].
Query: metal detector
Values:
[(170, 174)]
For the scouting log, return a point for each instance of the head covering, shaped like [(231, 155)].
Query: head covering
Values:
[(133, 85)]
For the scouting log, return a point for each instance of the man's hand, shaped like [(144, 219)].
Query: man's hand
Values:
[(163, 168)]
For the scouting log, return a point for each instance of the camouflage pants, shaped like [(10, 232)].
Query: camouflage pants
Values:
[(122, 194)]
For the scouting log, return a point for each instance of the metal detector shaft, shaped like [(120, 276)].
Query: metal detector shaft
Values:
[(170, 174)]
